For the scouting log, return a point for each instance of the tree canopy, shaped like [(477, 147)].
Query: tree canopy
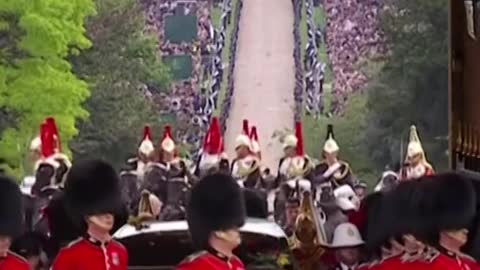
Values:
[(411, 86), (120, 65), (36, 80)]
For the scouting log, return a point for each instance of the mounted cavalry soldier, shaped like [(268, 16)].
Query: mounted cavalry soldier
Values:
[(416, 164), (11, 224), (296, 164), (92, 200), (52, 166), (245, 167), (215, 213), (289, 149), (213, 156), (332, 170), (146, 151)]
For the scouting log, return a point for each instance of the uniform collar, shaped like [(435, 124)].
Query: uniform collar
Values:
[(447, 252), (96, 242), (218, 254)]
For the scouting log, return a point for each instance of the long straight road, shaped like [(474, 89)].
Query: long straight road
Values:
[(264, 75)]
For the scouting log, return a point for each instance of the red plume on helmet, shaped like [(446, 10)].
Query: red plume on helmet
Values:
[(246, 128), (167, 132), (146, 146), (255, 148), (213, 139), (167, 143), (48, 140), (147, 133), (299, 135), (253, 134), (52, 125)]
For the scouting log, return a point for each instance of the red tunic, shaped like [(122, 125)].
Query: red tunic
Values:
[(205, 260), (87, 254), (13, 262)]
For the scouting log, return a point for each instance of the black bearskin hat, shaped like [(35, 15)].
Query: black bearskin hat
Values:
[(29, 245), (392, 213), (11, 208), (422, 207), (92, 187), (255, 205), (449, 200), (472, 247), (62, 229), (216, 203)]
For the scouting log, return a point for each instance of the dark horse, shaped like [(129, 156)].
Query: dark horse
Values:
[(174, 205), (171, 185)]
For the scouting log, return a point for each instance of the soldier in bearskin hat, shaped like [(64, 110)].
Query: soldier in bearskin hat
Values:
[(92, 199), (422, 224), (11, 224), (215, 213)]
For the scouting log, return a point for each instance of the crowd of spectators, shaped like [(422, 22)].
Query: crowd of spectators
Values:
[(297, 56), (314, 68), (352, 35), (181, 99), (230, 89), (193, 100)]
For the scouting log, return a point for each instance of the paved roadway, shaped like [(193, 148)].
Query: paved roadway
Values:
[(264, 75)]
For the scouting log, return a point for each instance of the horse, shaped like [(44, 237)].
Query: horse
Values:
[(155, 180), (177, 190), (388, 180), (129, 185)]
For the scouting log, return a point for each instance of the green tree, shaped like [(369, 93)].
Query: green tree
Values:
[(35, 78), (412, 85), (122, 60)]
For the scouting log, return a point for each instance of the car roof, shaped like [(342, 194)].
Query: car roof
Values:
[(252, 225)]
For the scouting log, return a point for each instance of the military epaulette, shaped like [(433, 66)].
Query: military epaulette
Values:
[(427, 255), (194, 256), (17, 256)]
